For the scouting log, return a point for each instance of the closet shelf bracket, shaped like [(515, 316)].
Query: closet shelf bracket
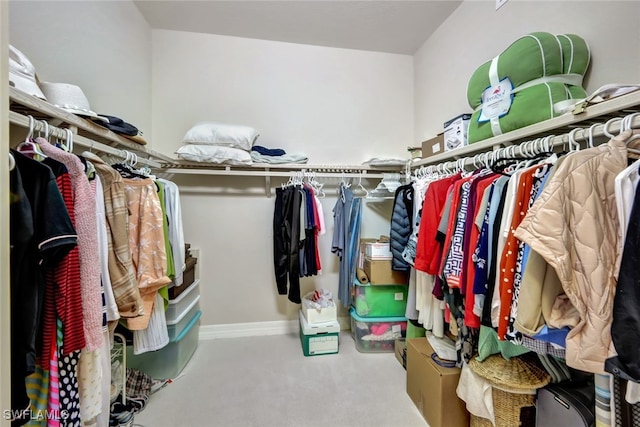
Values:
[(267, 183)]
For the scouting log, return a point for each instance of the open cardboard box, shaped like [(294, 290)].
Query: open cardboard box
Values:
[(433, 387)]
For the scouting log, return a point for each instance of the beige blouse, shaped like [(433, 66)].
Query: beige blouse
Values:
[(146, 241)]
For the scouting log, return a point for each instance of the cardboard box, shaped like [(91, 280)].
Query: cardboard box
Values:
[(401, 351), (363, 250), (455, 132), (378, 250), (321, 315), (188, 277), (433, 146), (379, 272), (433, 387), (320, 338)]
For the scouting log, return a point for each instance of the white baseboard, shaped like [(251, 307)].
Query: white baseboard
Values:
[(257, 329)]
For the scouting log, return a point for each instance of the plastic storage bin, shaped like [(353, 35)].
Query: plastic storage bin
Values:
[(175, 327), (170, 360), (376, 334), (179, 306), (380, 301)]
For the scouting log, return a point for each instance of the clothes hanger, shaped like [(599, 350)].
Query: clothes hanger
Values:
[(627, 124), (590, 139), (29, 146), (366, 192), (316, 185), (125, 168), (504, 160), (574, 145), (609, 123)]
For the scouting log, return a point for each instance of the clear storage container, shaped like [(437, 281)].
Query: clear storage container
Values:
[(175, 327), (170, 360), (179, 306), (376, 334)]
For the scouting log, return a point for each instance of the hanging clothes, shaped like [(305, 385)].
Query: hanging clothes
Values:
[(297, 223), (46, 282), (309, 229), (401, 226), (286, 242), (626, 312), (86, 226), (170, 269), (347, 214), (176, 230), (583, 249), (123, 281), (111, 307), (63, 282), (540, 284), (147, 245)]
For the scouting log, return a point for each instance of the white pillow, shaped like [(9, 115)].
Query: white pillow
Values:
[(210, 133), (214, 154)]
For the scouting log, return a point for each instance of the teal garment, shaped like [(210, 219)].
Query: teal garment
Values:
[(489, 344), (354, 244), (347, 214)]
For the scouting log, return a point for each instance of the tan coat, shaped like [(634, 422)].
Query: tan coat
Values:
[(574, 226)]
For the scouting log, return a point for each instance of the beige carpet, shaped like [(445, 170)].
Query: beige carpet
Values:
[(268, 382)]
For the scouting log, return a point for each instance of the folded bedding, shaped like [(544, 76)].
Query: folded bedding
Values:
[(520, 86), (532, 105), (280, 159), (214, 154), (221, 134)]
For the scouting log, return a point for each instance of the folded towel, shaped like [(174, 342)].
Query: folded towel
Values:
[(285, 158)]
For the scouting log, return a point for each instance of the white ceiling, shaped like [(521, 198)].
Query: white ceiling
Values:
[(384, 26)]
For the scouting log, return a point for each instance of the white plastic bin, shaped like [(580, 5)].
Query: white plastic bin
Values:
[(175, 327), (179, 306)]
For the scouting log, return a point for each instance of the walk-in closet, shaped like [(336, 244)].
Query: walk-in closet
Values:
[(319, 213)]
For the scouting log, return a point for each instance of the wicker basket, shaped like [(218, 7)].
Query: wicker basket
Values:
[(479, 422), (513, 386)]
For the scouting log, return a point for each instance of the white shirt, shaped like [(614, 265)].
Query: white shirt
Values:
[(176, 231)]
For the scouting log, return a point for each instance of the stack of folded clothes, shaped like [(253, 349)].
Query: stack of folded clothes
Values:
[(212, 142)]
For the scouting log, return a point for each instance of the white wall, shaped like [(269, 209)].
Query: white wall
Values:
[(233, 230), (338, 106), (102, 46), (476, 32)]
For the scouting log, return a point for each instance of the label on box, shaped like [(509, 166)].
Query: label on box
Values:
[(378, 250), (496, 100), (399, 296), (396, 329), (435, 148)]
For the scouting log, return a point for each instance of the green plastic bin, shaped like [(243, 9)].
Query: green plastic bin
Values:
[(380, 300)]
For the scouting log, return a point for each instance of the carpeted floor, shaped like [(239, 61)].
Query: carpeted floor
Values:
[(268, 382)]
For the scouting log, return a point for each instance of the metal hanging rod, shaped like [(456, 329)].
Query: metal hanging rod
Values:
[(24, 121), (229, 171)]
